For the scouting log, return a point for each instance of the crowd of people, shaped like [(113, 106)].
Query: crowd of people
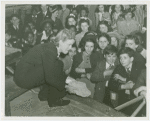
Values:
[(109, 52)]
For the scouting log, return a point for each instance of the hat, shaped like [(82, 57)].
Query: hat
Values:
[(46, 21), (54, 8)]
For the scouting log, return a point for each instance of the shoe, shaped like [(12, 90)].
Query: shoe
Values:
[(61, 102)]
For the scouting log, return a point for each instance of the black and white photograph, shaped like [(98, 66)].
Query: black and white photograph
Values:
[(75, 60)]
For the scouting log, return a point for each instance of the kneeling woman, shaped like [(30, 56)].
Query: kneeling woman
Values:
[(85, 62), (41, 65)]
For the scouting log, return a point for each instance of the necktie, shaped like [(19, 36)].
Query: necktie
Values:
[(128, 72)]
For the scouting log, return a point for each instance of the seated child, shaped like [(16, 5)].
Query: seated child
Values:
[(123, 79), (103, 41), (133, 42), (28, 43), (68, 59), (103, 72), (7, 39)]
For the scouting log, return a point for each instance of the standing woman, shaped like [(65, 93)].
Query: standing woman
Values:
[(116, 12), (56, 22), (41, 65), (85, 62), (101, 14)]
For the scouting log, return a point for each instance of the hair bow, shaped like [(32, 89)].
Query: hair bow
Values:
[(85, 18), (72, 15)]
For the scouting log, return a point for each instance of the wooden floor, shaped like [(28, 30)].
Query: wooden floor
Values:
[(28, 104)]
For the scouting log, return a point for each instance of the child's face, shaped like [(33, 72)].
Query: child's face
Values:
[(34, 12), (83, 13), (114, 41), (111, 58), (72, 52), (27, 29), (89, 47), (101, 8), (31, 26), (103, 28), (47, 27), (125, 60), (103, 42), (75, 12), (30, 38), (118, 8), (15, 21), (131, 44), (7, 37), (71, 21), (128, 16), (84, 27)]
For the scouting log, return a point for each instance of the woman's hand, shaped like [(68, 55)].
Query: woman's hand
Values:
[(68, 71), (80, 70), (117, 76)]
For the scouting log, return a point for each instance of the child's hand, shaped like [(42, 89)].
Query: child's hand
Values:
[(88, 75), (80, 70), (117, 76), (128, 85), (108, 72)]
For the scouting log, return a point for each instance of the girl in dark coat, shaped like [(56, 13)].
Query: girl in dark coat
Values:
[(85, 62), (41, 65)]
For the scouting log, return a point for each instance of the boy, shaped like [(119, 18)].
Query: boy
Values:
[(103, 72), (15, 28), (123, 79), (133, 42)]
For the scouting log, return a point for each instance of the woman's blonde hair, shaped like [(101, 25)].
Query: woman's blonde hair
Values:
[(63, 35)]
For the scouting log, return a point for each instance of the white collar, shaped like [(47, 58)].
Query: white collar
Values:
[(45, 13), (34, 16), (58, 53), (16, 26), (130, 67), (108, 65)]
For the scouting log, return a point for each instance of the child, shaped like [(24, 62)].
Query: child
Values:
[(123, 79), (85, 62), (68, 59), (7, 38), (83, 28), (133, 42), (28, 43), (15, 27), (103, 41), (103, 72)]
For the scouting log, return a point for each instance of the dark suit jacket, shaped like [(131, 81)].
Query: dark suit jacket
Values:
[(45, 57), (115, 85), (141, 81), (77, 59), (29, 18), (100, 80), (41, 17), (97, 75), (19, 32)]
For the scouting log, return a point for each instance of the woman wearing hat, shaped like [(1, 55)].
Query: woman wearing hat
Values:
[(41, 65), (57, 24), (128, 25)]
